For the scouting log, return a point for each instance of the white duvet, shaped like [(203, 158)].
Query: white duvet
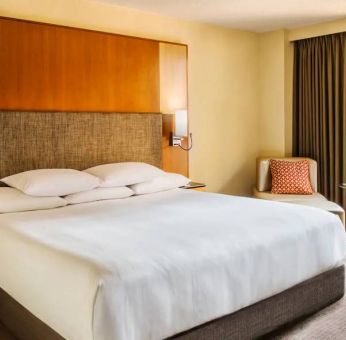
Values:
[(151, 266)]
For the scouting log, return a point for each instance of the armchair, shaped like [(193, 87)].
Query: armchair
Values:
[(262, 189)]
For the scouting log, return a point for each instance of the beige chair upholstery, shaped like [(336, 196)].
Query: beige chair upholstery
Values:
[(267, 195), (264, 185)]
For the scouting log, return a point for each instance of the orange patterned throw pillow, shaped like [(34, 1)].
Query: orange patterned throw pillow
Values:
[(290, 177)]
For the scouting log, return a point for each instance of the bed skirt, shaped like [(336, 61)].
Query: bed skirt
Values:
[(248, 323)]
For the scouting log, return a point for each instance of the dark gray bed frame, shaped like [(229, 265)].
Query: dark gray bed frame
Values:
[(251, 322)]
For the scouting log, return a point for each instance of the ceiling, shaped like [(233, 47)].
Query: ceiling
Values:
[(252, 15)]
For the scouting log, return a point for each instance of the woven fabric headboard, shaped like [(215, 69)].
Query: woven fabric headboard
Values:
[(36, 140)]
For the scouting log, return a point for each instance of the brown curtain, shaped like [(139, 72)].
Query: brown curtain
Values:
[(319, 109)]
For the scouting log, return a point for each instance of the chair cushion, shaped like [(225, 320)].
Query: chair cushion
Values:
[(290, 177), (321, 204), (315, 200), (268, 195)]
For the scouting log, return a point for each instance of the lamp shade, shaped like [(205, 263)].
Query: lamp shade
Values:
[(180, 123)]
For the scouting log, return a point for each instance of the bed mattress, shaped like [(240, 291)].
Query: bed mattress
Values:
[(151, 266)]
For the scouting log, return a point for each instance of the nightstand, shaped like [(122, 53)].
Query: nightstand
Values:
[(195, 186)]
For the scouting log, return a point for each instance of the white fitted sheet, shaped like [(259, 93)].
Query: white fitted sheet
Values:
[(150, 266)]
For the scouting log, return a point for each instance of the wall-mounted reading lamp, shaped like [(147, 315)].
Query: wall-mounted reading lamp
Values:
[(180, 130)]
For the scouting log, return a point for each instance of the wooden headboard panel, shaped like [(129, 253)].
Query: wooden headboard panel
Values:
[(54, 68), (36, 140)]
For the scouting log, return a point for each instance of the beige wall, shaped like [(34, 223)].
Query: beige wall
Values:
[(316, 30), (240, 83), (272, 93), (276, 84), (223, 81), (296, 34), (288, 93)]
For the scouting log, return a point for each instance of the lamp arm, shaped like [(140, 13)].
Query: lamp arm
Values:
[(190, 146)]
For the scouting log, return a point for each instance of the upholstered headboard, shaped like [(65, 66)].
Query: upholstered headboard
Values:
[(36, 140)]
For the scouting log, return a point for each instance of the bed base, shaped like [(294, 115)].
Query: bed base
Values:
[(248, 323)]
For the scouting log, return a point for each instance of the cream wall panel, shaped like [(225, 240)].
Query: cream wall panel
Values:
[(276, 83), (296, 34), (272, 94), (288, 94), (310, 31)]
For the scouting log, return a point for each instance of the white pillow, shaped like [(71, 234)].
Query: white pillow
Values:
[(122, 174), (166, 182), (99, 194), (13, 200), (52, 182)]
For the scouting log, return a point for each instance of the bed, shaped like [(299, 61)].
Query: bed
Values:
[(177, 264)]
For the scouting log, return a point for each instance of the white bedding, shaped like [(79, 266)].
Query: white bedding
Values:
[(150, 266)]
